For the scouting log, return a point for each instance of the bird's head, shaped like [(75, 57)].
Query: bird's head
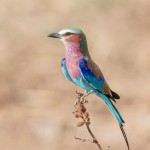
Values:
[(73, 38), (69, 35)]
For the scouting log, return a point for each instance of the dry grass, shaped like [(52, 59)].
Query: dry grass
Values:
[(34, 113)]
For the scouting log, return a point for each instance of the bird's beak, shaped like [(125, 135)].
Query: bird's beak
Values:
[(55, 35)]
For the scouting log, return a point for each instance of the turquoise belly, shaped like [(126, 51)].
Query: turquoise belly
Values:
[(80, 81)]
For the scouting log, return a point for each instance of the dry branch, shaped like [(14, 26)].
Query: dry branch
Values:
[(81, 112)]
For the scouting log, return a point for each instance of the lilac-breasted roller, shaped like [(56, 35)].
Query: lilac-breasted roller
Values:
[(79, 68)]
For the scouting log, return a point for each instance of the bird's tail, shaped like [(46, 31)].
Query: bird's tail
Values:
[(115, 113)]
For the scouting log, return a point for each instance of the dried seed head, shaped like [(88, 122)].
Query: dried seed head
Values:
[(77, 115), (86, 114), (81, 108), (80, 124)]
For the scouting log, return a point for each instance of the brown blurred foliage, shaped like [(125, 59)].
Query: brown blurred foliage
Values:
[(36, 100)]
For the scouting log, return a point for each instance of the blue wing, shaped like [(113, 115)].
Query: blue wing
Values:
[(91, 73), (64, 69)]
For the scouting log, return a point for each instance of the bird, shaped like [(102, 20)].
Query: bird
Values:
[(79, 68)]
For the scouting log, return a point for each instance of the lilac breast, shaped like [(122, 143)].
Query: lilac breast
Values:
[(73, 69), (73, 55)]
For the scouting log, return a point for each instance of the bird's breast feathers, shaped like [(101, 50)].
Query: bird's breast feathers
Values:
[(73, 68)]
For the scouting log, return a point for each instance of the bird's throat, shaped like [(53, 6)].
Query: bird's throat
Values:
[(73, 49)]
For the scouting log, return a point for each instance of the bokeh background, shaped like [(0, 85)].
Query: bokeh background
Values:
[(36, 101)]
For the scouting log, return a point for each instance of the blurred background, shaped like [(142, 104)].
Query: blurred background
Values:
[(36, 101)]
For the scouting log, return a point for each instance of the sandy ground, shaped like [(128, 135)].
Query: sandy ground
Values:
[(36, 101)]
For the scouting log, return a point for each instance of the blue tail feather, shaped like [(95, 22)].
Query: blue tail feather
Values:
[(115, 113), (112, 108)]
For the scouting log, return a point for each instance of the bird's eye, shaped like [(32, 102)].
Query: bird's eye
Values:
[(68, 33)]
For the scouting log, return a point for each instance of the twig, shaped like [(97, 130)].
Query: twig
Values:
[(80, 112), (83, 140)]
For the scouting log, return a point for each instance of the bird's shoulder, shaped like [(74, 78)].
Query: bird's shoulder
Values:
[(90, 65)]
